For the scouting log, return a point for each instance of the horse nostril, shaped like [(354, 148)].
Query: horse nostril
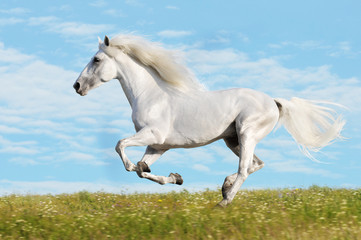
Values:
[(76, 86)]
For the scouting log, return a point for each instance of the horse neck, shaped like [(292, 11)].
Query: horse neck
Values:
[(138, 81)]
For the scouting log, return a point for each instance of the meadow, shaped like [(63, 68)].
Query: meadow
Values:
[(313, 213)]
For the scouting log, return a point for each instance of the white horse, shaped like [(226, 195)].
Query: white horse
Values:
[(172, 110)]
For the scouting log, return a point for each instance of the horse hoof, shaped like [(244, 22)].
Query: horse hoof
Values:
[(219, 206), (223, 204), (178, 178), (142, 167), (225, 189)]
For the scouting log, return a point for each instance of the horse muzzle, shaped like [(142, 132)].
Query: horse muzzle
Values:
[(78, 89)]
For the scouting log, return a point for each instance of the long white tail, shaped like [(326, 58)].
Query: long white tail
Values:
[(311, 124)]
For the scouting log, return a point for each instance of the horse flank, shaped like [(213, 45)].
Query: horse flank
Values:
[(165, 62)]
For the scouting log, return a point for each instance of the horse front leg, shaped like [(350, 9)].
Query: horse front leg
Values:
[(150, 156), (143, 170), (144, 137), (173, 178)]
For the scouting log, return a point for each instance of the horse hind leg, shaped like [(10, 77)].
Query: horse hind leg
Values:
[(257, 164), (248, 145), (232, 143), (248, 137)]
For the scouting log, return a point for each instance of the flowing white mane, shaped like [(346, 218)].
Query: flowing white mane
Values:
[(165, 62)]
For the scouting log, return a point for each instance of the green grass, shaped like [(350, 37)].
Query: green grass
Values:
[(314, 213)]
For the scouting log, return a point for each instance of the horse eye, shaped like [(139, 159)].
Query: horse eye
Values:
[(96, 59)]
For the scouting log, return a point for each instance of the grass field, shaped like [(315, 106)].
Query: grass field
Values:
[(314, 213)]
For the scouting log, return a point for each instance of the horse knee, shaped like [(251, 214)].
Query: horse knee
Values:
[(120, 146)]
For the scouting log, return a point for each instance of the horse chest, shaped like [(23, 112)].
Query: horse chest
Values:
[(152, 114)]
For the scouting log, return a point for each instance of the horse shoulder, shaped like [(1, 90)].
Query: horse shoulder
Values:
[(153, 113)]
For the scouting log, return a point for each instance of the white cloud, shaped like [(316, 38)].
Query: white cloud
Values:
[(15, 11), (11, 55), (10, 119), (172, 7), (10, 21), (279, 142), (122, 122), (282, 154), (79, 29), (36, 21), (86, 120), (225, 154), (304, 45), (343, 49), (174, 33), (23, 161), (134, 3), (8, 129), (214, 59), (267, 155), (69, 29), (64, 7), (114, 13), (243, 37), (30, 84), (4, 141), (82, 158), (339, 49), (98, 3), (345, 46), (225, 37), (19, 150), (298, 166), (220, 39), (201, 167), (143, 23), (200, 155)]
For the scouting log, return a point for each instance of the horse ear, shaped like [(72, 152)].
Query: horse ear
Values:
[(106, 41), (99, 40)]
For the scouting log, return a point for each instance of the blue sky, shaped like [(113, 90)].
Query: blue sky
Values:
[(54, 141)]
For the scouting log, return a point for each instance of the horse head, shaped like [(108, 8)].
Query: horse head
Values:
[(101, 68)]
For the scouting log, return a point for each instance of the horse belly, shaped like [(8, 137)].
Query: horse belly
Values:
[(201, 127), (198, 138)]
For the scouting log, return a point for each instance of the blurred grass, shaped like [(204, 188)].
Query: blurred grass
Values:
[(313, 213)]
